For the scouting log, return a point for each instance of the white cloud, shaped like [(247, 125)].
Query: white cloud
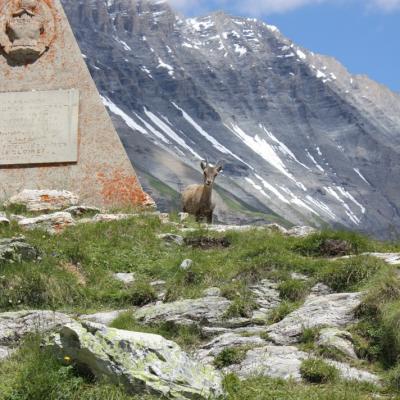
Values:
[(265, 7)]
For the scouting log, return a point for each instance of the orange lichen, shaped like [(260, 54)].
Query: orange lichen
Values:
[(118, 188)]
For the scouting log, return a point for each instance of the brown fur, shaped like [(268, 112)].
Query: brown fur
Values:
[(197, 199)]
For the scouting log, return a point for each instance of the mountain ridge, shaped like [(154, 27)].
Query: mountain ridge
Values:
[(303, 139)]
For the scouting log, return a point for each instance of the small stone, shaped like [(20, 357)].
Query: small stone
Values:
[(320, 289), (51, 223), (183, 217), (79, 211), (44, 200), (170, 238), (213, 291), (186, 264), (125, 277), (298, 277), (3, 219), (159, 283), (164, 218)]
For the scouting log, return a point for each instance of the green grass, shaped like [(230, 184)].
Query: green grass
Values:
[(318, 371), (132, 246), (230, 356)]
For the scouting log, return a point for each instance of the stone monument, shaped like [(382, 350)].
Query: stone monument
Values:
[(55, 132)]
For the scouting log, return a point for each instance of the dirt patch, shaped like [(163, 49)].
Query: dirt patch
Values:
[(76, 271), (207, 243)]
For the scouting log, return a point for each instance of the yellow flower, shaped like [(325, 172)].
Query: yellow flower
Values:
[(67, 359)]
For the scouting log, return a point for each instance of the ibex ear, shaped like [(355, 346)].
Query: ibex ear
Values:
[(203, 165), (220, 166)]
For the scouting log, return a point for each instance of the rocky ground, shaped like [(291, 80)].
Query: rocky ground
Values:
[(143, 305)]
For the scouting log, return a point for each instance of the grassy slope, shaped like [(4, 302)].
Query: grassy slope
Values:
[(96, 251)]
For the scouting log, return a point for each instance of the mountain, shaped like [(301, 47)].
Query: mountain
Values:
[(304, 141)]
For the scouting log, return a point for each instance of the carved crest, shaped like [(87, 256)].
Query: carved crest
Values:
[(26, 29)]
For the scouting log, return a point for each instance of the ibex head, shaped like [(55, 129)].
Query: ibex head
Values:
[(210, 171)]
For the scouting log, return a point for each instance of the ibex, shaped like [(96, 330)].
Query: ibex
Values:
[(197, 199)]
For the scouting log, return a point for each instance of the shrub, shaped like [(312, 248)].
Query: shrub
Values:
[(347, 275), (308, 335), (293, 290), (230, 356), (393, 378), (318, 371), (142, 293), (318, 244)]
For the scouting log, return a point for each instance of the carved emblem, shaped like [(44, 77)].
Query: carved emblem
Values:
[(26, 29)]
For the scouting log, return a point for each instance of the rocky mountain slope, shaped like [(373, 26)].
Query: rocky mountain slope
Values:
[(303, 140)]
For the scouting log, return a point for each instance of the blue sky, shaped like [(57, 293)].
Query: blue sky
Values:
[(364, 35)]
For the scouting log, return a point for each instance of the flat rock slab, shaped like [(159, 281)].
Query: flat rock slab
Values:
[(389, 258), (124, 277), (44, 200), (284, 362), (207, 310), (301, 231), (80, 211), (51, 223), (266, 295), (144, 363), (17, 250), (14, 326), (209, 351), (105, 318), (333, 310)]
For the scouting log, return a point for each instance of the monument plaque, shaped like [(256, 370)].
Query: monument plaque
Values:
[(39, 127)]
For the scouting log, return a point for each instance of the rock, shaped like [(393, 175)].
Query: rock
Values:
[(112, 217), (298, 277), (186, 264), (389, 258), (3, 219), (183, 217), (301, 231), (79, 211), (266, 295), (51, 223), (5, 352), (125, 277), (44, 200), (158, 284), (143, 363), (333, 310), (284, 362), (17, 250), (337, 340), (203, 311), (212, 292), (171, 238), (281, 362), (320, 289), (207, 243), (209, 351), (105, 318), (353, 374), (15, 326), (277, 228), (164, 218)]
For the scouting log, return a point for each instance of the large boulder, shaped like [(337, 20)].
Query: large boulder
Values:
[(206, 311), (51, 223), (143, 363), (15, 326), (44, 200), (16, 250), (332, 310)]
